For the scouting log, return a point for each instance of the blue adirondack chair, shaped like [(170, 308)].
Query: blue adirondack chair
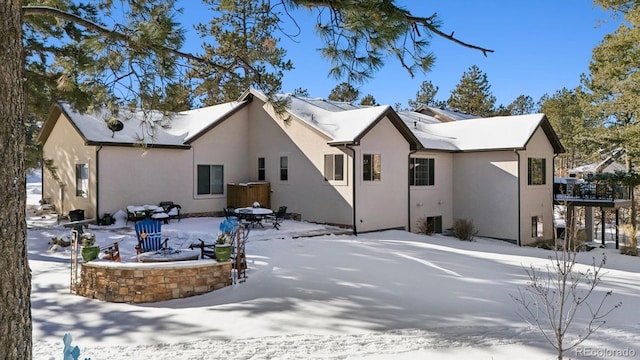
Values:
[(149, 235)]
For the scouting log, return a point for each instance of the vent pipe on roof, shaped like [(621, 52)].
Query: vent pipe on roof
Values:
[(415, 124)]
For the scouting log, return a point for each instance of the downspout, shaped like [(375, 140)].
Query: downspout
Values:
[(553, 198), (98, 183), (409, 191), (353, 200), (519, 204)]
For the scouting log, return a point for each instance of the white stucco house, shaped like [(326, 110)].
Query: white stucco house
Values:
[(367, 168)]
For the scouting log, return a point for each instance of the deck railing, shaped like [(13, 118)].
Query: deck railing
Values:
[(592, 191)]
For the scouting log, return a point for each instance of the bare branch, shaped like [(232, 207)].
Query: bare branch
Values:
[(428, 23)]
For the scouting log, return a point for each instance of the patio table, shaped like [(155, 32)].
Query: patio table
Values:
[(254, 215)]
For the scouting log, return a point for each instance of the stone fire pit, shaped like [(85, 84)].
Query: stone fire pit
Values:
[(142, 282)]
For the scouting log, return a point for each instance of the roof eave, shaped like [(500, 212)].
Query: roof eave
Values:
[(128, 144), (558, 148), (551, 135)]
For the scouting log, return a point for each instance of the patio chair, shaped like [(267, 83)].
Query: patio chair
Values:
[(278, 217), (111, 252), (173, 210), (149, 236), (229, 214), (136, 213), (206, 250), (245, 216)]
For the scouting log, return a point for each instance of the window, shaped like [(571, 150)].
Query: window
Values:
[(261, 167), (82, 180), (421, 171), (284, 168), (371, 167), (537, 171), (536, 226), (334, 167), (210, 179), (433, 224)]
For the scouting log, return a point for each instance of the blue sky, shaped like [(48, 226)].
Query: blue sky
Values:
[(540, 47)]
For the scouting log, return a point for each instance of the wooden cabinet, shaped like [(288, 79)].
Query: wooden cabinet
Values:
[(245, 194)]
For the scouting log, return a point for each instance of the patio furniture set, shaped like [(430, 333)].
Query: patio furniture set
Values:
[(234, 231), (164, 211), (255, 215)]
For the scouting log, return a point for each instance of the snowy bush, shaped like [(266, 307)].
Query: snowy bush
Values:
[(424, 227), (464, 229)]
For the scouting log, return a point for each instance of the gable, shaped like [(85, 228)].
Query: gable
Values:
[(151, 128), (340, 123), (485, 134)]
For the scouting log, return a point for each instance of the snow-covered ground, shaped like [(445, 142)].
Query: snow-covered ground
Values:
[(385, 295)]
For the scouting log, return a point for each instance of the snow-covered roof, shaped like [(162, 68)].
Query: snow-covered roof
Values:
[(593, 168), (195, 122), (150, 127), (342, 122), (137, 127), (500, 132), (445, 114), (338, 122)]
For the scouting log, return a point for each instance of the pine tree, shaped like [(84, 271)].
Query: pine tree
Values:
[(15, 287), (369, 100), (522, 105), (301, 92), (425, 96), (243, 43), (344, 92), (472, 94), (613, 80), (566, 111)]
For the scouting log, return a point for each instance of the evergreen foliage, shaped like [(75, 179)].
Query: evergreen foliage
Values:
[(522, 105), (240, 40), (369, 100), (567, 112), (613, 80), (301, 92), (472, 95), (425, 96), (344, 92)]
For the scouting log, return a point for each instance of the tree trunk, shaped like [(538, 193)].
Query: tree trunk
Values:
[(15, 276)]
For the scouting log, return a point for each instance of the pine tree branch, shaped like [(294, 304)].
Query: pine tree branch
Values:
[(57, 13), (427, 22)]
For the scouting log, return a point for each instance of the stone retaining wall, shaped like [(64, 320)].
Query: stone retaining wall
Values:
[(150, 282)]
